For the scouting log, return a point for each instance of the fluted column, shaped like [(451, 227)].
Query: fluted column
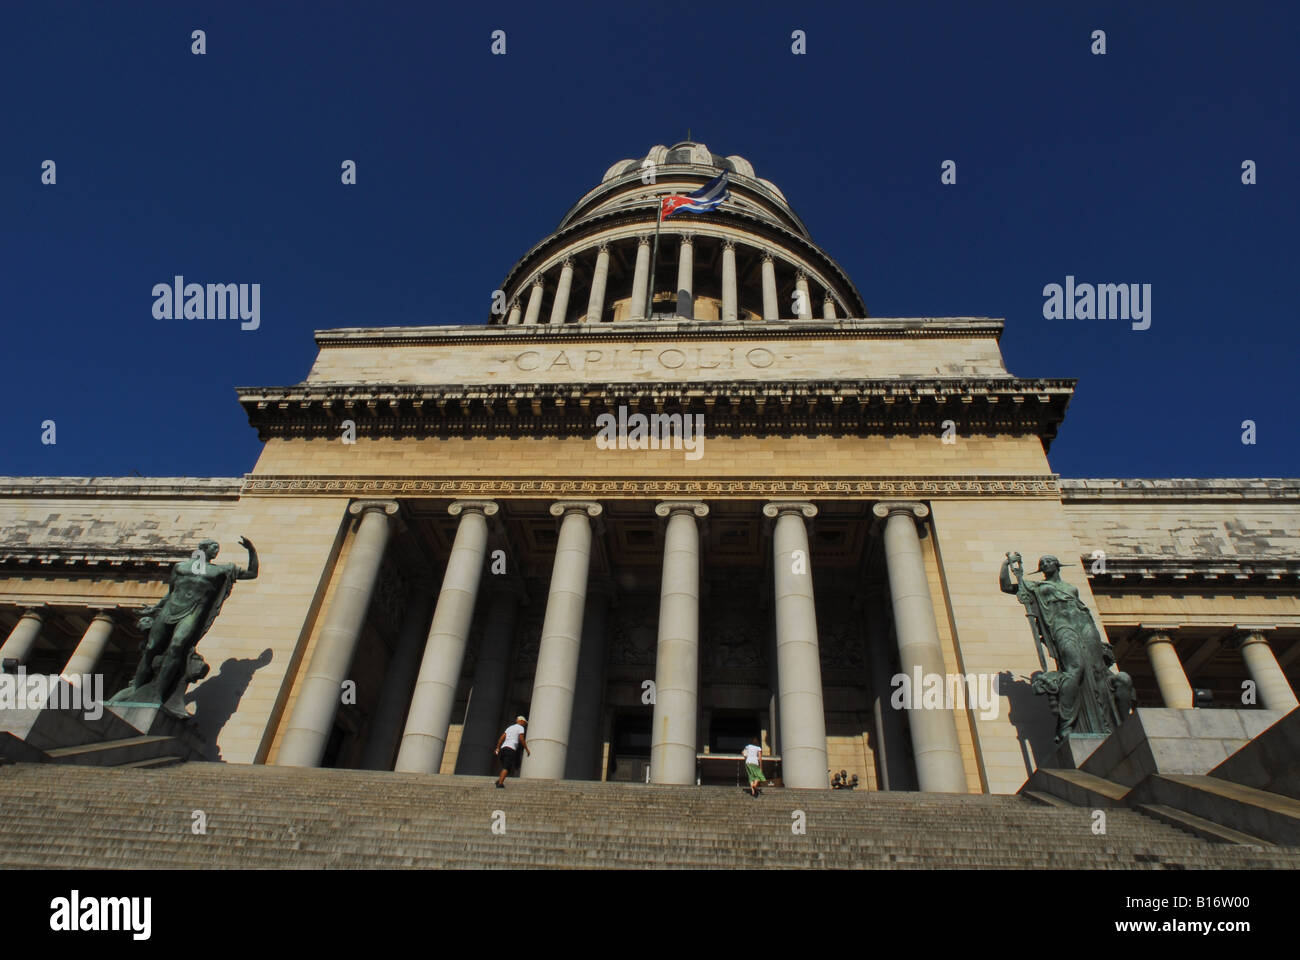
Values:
[(516, 312), (561, 305), (799, 676), (399, 679), (91, 647), (491, 673), (1175, 690), (429, 718), (640, 279), (534, 301), (318, 700), (673, 738), (596, 302), (582, 760), (934, 732), (557, 656), (769, 287), (828, 308), (1271, 684), (730, 308), (804, 296), (22, 638), (686, 277)]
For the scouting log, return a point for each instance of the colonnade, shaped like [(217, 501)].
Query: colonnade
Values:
[(526, 308), (564, 707), (1272, 688)]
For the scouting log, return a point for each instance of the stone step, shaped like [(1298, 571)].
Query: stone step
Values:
[(111, 753), (1272, 817), (1199, 826), (258, 817)]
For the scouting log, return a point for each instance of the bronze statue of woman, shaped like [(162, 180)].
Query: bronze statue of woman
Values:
[(1086, 696)]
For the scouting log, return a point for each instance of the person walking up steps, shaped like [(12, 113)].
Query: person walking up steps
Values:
[(754, 766), (508, 745)]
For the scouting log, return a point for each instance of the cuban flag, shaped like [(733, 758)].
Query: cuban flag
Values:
[(704, 200)]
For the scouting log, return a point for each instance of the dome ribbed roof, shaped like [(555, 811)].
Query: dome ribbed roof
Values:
[(690, 153)]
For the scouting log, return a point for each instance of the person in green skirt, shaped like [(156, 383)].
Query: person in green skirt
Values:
[(754, 765)]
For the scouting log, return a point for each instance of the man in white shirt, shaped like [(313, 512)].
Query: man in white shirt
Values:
[(754, 765), (508, 745)]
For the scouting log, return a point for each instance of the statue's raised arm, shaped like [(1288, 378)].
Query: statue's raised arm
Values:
[(249, 573)]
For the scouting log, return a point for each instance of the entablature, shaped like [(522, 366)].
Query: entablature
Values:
[(913, 407)]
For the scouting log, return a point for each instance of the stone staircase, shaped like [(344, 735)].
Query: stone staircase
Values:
[(57, 816)]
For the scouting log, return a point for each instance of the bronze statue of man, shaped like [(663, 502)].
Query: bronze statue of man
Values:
[(195, 593), (1085, 695)]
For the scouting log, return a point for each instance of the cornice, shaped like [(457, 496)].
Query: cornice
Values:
[(151, 563), (883, 328), (1180, 490), (622, 487), (1143, 572), (170, 488), (913, 407)]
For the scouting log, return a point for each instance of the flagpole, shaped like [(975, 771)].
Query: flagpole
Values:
[(654, 259)]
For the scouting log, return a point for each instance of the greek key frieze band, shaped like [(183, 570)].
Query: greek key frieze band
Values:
[(456, 487)]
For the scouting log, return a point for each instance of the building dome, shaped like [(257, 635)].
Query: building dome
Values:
[(751, 260)]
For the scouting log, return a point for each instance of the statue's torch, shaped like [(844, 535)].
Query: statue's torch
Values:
[(1031, 606)]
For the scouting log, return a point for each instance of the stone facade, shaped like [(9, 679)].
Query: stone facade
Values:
[(475, 542)]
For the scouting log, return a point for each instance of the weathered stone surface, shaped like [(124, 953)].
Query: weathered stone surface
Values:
[(1169, 741)]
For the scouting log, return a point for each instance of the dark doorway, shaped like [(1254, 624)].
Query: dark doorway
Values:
[(731, 733), (629, 748)]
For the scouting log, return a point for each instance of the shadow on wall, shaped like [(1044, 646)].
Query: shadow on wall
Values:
[(217, 698), (1032, 717)]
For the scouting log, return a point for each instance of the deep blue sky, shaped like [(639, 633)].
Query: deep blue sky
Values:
[(225, 167)]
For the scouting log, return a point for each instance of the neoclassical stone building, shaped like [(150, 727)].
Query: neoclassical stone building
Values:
[(444, 544)]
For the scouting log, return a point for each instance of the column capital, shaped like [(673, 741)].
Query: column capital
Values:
[(643, 240), (729, 245), (887, 508), (486, 507), (1244, 633), (666, 508), (768, 256), (108, 615), (538, 281), (566, 263), (777, 508), (602, 246), (561, 507), (1157, 636), (358, 507), (801, 274)]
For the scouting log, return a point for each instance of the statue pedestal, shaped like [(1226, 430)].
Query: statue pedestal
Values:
[(68, 723), (1175, 741), (1074, 751), (152, 720)]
